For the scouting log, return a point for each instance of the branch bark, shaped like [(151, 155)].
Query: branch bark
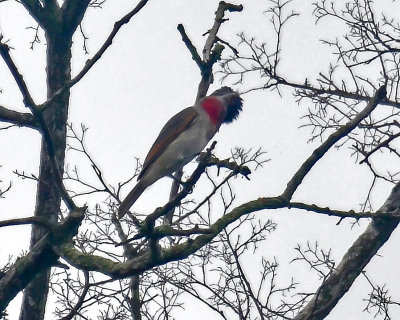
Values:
[(211, 52), (35, 9), (29, 220), (332, 139), (53, 127), (343, 214), (147, 261), (353, 262), (19, 80), (59, 24), (376, 235), (42, 256), (18, 118), (72, 14)]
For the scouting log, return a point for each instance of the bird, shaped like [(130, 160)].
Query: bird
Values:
[(183, 137)]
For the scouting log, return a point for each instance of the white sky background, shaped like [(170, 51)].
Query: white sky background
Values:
[(147, 76)]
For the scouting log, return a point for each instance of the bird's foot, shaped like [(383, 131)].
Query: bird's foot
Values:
[(176, 179)]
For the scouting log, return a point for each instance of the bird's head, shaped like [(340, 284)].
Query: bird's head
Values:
[(223, 105)]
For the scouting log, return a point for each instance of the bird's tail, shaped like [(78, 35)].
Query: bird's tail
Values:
[(130, 199)]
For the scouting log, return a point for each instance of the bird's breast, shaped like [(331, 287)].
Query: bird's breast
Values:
[(183, 149)]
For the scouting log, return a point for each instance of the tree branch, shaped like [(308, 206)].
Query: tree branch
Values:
[(50, 4), (219, 19), (332, 139), (146, 261), (353, 262), (30, 220), (379, 146), (43, 255), (72, 13), (18, 118), (192, 49), (81, 299), (27, 98), (336, 92), (168, 231), (212, 54), (89, 63), (29, 103), (343, 214), (205, 160), (35, 9)]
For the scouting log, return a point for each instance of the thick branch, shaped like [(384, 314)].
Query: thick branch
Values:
[(50, 4), (18, 118), (219, 19), (353, 262), (29, 103), (146, 261), (43, 255), (192, 49), (30, 220), (211, 54), (142, 263), (35, 9), (343, 214), (72, 13), (5, 53), (332, 139)]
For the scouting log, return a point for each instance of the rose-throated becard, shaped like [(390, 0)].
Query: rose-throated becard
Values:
[(183, 137)]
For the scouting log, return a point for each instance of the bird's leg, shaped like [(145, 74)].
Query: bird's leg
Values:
[(176, 179), (174, 191)]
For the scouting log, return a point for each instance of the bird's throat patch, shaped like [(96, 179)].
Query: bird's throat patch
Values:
[(214, 108)]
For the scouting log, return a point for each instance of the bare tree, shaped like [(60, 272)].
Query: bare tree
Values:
[(141, 266), (339, 118)]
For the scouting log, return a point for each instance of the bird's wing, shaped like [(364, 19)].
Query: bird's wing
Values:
[(172, 129)]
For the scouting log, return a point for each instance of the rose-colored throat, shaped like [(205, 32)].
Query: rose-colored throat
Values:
[(214, 108)]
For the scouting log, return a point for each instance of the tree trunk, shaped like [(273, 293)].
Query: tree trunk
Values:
[(47, 198), (135, 302)]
